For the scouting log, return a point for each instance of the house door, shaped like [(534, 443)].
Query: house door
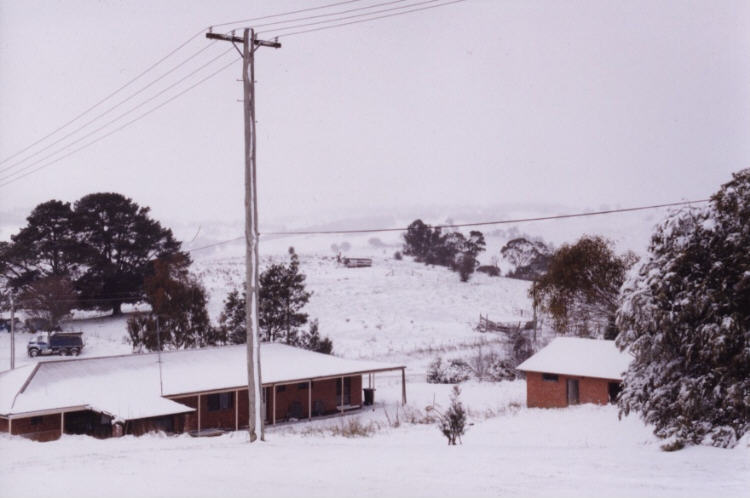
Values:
[(572, 391), (347, 394)]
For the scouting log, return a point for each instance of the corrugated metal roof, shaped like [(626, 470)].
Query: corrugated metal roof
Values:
[(128, 386)]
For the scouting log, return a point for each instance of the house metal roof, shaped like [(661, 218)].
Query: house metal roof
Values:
[(128, 387), (579, 357)]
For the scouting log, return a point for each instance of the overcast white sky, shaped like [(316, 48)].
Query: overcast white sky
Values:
[(580, 103)]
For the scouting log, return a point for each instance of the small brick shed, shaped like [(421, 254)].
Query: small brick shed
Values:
[(178, 391), (572, 370)]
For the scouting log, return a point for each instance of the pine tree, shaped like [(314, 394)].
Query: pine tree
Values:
[(281, 299), (452, 423), (42, 262), (684, 314), (313, 341), (121, 242), (233, 321)]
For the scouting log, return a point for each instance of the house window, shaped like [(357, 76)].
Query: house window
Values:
[(220, 401), (35, 420), (550, 377), (280, 389), (302, 385)]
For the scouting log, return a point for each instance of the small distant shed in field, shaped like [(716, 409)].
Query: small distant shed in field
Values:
[(572, 370)]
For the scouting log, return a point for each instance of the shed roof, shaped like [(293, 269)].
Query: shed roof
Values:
[(581, 357), (130, 386)]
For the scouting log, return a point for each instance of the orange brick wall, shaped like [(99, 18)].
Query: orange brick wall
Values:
[(593, 390), (322, 390), (549, 394)]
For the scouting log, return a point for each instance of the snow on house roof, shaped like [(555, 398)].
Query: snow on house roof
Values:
[(11, 382), (279, 364), (128, 387), (581, 357)]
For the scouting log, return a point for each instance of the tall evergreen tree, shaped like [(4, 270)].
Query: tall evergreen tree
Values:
[(684, 314), (47, 246), (42, 262), (122, 241), (281, 299)]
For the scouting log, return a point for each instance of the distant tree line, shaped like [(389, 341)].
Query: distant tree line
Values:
[(452, 249)]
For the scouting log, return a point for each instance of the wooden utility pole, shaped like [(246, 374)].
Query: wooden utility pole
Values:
[(12, 332), (249, 45)]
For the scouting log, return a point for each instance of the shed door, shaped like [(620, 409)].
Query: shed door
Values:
[(572, 391)]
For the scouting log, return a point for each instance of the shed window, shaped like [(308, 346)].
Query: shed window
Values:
[(302, 385), (550, 377), (35, 420), (280, 389), (220, 401)]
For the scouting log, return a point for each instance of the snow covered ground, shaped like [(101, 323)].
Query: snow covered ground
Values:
[(509, 451), (396, 311)]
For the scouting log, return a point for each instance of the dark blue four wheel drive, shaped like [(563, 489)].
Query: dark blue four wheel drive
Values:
[(64, 343)]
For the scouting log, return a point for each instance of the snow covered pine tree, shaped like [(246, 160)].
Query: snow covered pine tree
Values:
[(685, 316)]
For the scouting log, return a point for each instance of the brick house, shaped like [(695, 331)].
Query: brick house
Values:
[(179, 391), (572, 370)]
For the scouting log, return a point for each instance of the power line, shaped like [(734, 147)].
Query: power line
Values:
[(328, 14), (128, 295), (97, 117), (283, 35), (96, 130), (223, 68), (100, 102), (291, 12), (457, 225), (24, 171), (152, 67)]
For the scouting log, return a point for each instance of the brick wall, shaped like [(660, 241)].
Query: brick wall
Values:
[(219, 419), (593, 390), (189, 420), (323, 391), (43, 428), (542, 393), (244, 408)]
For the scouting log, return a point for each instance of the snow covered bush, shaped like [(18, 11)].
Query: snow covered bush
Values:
[(452, 423), (685, 316), (453, 372)]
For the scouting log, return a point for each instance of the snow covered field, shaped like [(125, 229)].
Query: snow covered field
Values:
[(396, 311), (583, 451)]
